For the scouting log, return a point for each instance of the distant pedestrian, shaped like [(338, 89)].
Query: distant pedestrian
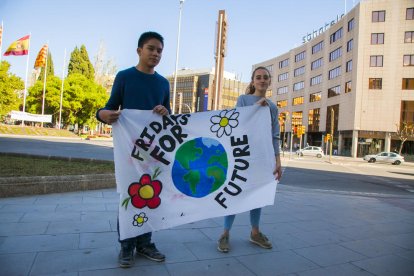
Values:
[(139, 87), (256, 93)]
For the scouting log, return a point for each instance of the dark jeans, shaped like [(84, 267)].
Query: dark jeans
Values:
[(139, 241)]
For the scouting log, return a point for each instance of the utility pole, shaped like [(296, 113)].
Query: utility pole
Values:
[(220, 54), (332, 131)]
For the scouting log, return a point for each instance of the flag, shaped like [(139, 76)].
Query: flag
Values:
[(19, 47), (41, 57), (177, 169)]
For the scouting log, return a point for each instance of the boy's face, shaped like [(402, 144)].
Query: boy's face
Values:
[(150, 53)]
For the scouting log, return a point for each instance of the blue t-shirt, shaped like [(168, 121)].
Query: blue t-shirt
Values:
[(246, 100), (134, 89)]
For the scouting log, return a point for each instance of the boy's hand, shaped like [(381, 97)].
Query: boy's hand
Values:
[(160, 109), (109, 116)]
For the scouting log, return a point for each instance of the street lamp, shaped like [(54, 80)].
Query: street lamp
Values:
[(176, 56), (189, 108)]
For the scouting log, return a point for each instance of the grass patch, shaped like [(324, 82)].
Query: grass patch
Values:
[(12, 166), (35, 131)]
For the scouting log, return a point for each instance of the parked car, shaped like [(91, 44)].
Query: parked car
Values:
[(311, 151), (387, 157)]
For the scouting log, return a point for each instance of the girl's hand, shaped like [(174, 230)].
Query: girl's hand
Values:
[(262, 102), (278, 170)]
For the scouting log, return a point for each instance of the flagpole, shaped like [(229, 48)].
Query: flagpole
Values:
[(61, 89), (1, 40), (25, 81), (44, 81)]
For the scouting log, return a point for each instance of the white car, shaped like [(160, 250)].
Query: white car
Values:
[(311, 151), (387, 157)]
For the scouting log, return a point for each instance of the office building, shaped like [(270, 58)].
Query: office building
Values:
[(353, 76), (195, 90)]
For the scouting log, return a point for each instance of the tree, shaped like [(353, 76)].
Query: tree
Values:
[(82, 97), (105, 69), (52, 96), (404, 132), (50, 68), (79, 63), (10, 85)]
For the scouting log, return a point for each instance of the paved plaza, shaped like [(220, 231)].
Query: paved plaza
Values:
[(313, 233)]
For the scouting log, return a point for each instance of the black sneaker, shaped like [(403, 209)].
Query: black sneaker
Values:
[(151, 252), (126, 256)]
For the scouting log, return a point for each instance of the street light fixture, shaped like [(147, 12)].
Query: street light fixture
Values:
[(176, 57)]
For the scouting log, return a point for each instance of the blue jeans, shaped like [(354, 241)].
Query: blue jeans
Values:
[(139, 241), (254, 219)]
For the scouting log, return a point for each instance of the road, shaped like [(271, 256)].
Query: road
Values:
[(63, 147), (349, 175), (346, 175)]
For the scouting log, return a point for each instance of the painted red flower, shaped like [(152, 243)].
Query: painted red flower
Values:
[(145, 192)]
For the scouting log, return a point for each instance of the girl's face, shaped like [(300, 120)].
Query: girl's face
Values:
[(261, 80)]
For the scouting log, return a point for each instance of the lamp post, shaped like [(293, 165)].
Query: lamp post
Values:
[(176, 56), (189, 108), (284, 132)]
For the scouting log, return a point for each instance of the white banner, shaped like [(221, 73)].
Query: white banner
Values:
[(176, 169), (24, 116)]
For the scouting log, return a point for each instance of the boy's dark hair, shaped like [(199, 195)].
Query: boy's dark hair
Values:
[(147, 36)]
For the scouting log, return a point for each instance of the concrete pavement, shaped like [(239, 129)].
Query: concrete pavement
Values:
[(313, 233)]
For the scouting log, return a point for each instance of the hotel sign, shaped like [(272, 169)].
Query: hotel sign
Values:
[(309, 36)]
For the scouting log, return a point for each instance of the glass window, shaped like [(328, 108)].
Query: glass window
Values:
[(335, 36), (282, 90), (409, 37), (283, 76), (281, 104), (349, 66), (299, 71), (408, 60), (334, 91), (316, 64), (409, 14), (375, 83), (298, 86), (349, 45), (300, 56), (313, 120), (376, 61), (377, 38), (336, 72), (270, 68), (351, 24), (378, 16), (316, 80), (335, 54), (284, 63), (315, 97), (408, 84), (297, 100), (317, 47), (348, 86)]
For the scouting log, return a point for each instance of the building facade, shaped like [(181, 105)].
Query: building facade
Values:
[(195, 91), (354, 78)]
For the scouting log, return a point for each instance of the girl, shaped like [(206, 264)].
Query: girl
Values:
[(255, 94)]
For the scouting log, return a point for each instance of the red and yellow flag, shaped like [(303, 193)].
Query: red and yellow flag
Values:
[(19, 47), (41, 57)]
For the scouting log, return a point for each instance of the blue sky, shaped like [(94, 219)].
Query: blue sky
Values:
[(258, 29)]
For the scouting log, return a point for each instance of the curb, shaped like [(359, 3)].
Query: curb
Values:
[(38, 185)]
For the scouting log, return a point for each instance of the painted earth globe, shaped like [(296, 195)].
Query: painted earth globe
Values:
[(200, 167)]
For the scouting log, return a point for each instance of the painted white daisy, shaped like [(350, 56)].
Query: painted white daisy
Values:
[(139, 219), (224, 122)]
